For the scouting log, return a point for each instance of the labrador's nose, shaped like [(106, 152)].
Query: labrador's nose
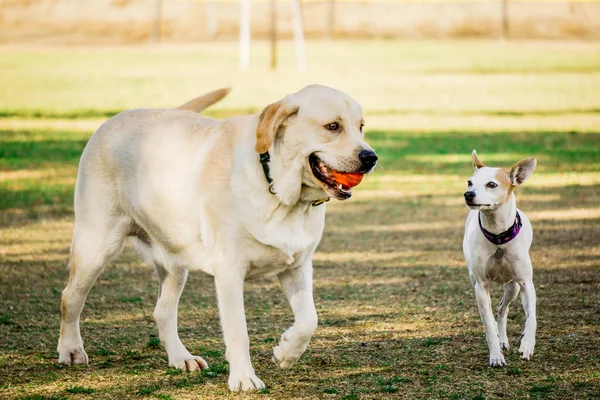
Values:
[(469, 195), (368, 158)]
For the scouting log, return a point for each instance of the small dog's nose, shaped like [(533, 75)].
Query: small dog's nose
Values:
[(469, 195), (368, 158)]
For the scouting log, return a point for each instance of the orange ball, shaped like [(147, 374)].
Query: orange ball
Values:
[(348, 180)]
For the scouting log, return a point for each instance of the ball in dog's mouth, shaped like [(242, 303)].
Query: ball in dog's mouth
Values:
[(338, 184)]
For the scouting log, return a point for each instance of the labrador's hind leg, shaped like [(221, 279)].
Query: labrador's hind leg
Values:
[(95, 243), (171, 285)]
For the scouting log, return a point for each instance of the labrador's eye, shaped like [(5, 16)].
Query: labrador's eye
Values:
[(334, 126), (491, 185), (469, 183), (361, 127)]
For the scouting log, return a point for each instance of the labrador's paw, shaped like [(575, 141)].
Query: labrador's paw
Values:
[(286, 357), (72, 355), (291, 347), (243, 382), (189, 363)]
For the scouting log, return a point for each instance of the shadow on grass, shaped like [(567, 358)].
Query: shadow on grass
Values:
[(558, 148), (560, 151), (36, 154)]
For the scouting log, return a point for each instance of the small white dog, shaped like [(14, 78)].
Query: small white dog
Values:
[(496, 246), (238, 199)]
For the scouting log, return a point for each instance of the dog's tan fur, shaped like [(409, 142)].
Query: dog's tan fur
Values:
[(270, 120), (503, 179)]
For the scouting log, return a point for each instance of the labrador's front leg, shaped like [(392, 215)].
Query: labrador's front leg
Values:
[(230, 293), (297, 286)]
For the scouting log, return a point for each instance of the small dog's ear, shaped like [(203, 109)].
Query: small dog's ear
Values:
[(270, 120), (476, 163), (521, 171)]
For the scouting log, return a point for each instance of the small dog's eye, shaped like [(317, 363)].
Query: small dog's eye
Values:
[(469, 183), (491, 185), (334, 126)]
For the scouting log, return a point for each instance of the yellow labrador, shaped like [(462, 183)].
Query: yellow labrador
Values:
[(238, 199)]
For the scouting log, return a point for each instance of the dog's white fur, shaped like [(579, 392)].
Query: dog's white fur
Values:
[(190, 193), (498, 210)]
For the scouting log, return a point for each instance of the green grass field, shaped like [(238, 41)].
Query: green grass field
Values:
[(398, 317)]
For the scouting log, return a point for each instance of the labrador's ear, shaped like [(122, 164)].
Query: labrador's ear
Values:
[(270, 120), (521, 171), (476, 163)]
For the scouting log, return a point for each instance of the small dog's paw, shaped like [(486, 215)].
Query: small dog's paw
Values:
[(504, 345), (526, 349), (245, 382), (73, 355), (189, 363), (497, 361)]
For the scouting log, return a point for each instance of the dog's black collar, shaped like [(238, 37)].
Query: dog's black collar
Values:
[(264, 161)]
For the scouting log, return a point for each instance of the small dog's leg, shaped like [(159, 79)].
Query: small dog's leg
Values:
[(491, 330), (529, 303), (511, 290), (93, 246), (230, 294), (297, 286), (165, 314)]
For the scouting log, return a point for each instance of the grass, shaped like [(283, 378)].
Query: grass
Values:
[(79, 389), (398, 318), (385, 76)]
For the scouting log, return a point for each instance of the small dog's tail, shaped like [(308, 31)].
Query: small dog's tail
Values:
[(206, 100)]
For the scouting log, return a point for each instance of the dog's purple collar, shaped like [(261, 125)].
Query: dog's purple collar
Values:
[(505, 236)]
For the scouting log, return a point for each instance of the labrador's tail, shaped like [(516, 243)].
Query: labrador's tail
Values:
[(206, 100)]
